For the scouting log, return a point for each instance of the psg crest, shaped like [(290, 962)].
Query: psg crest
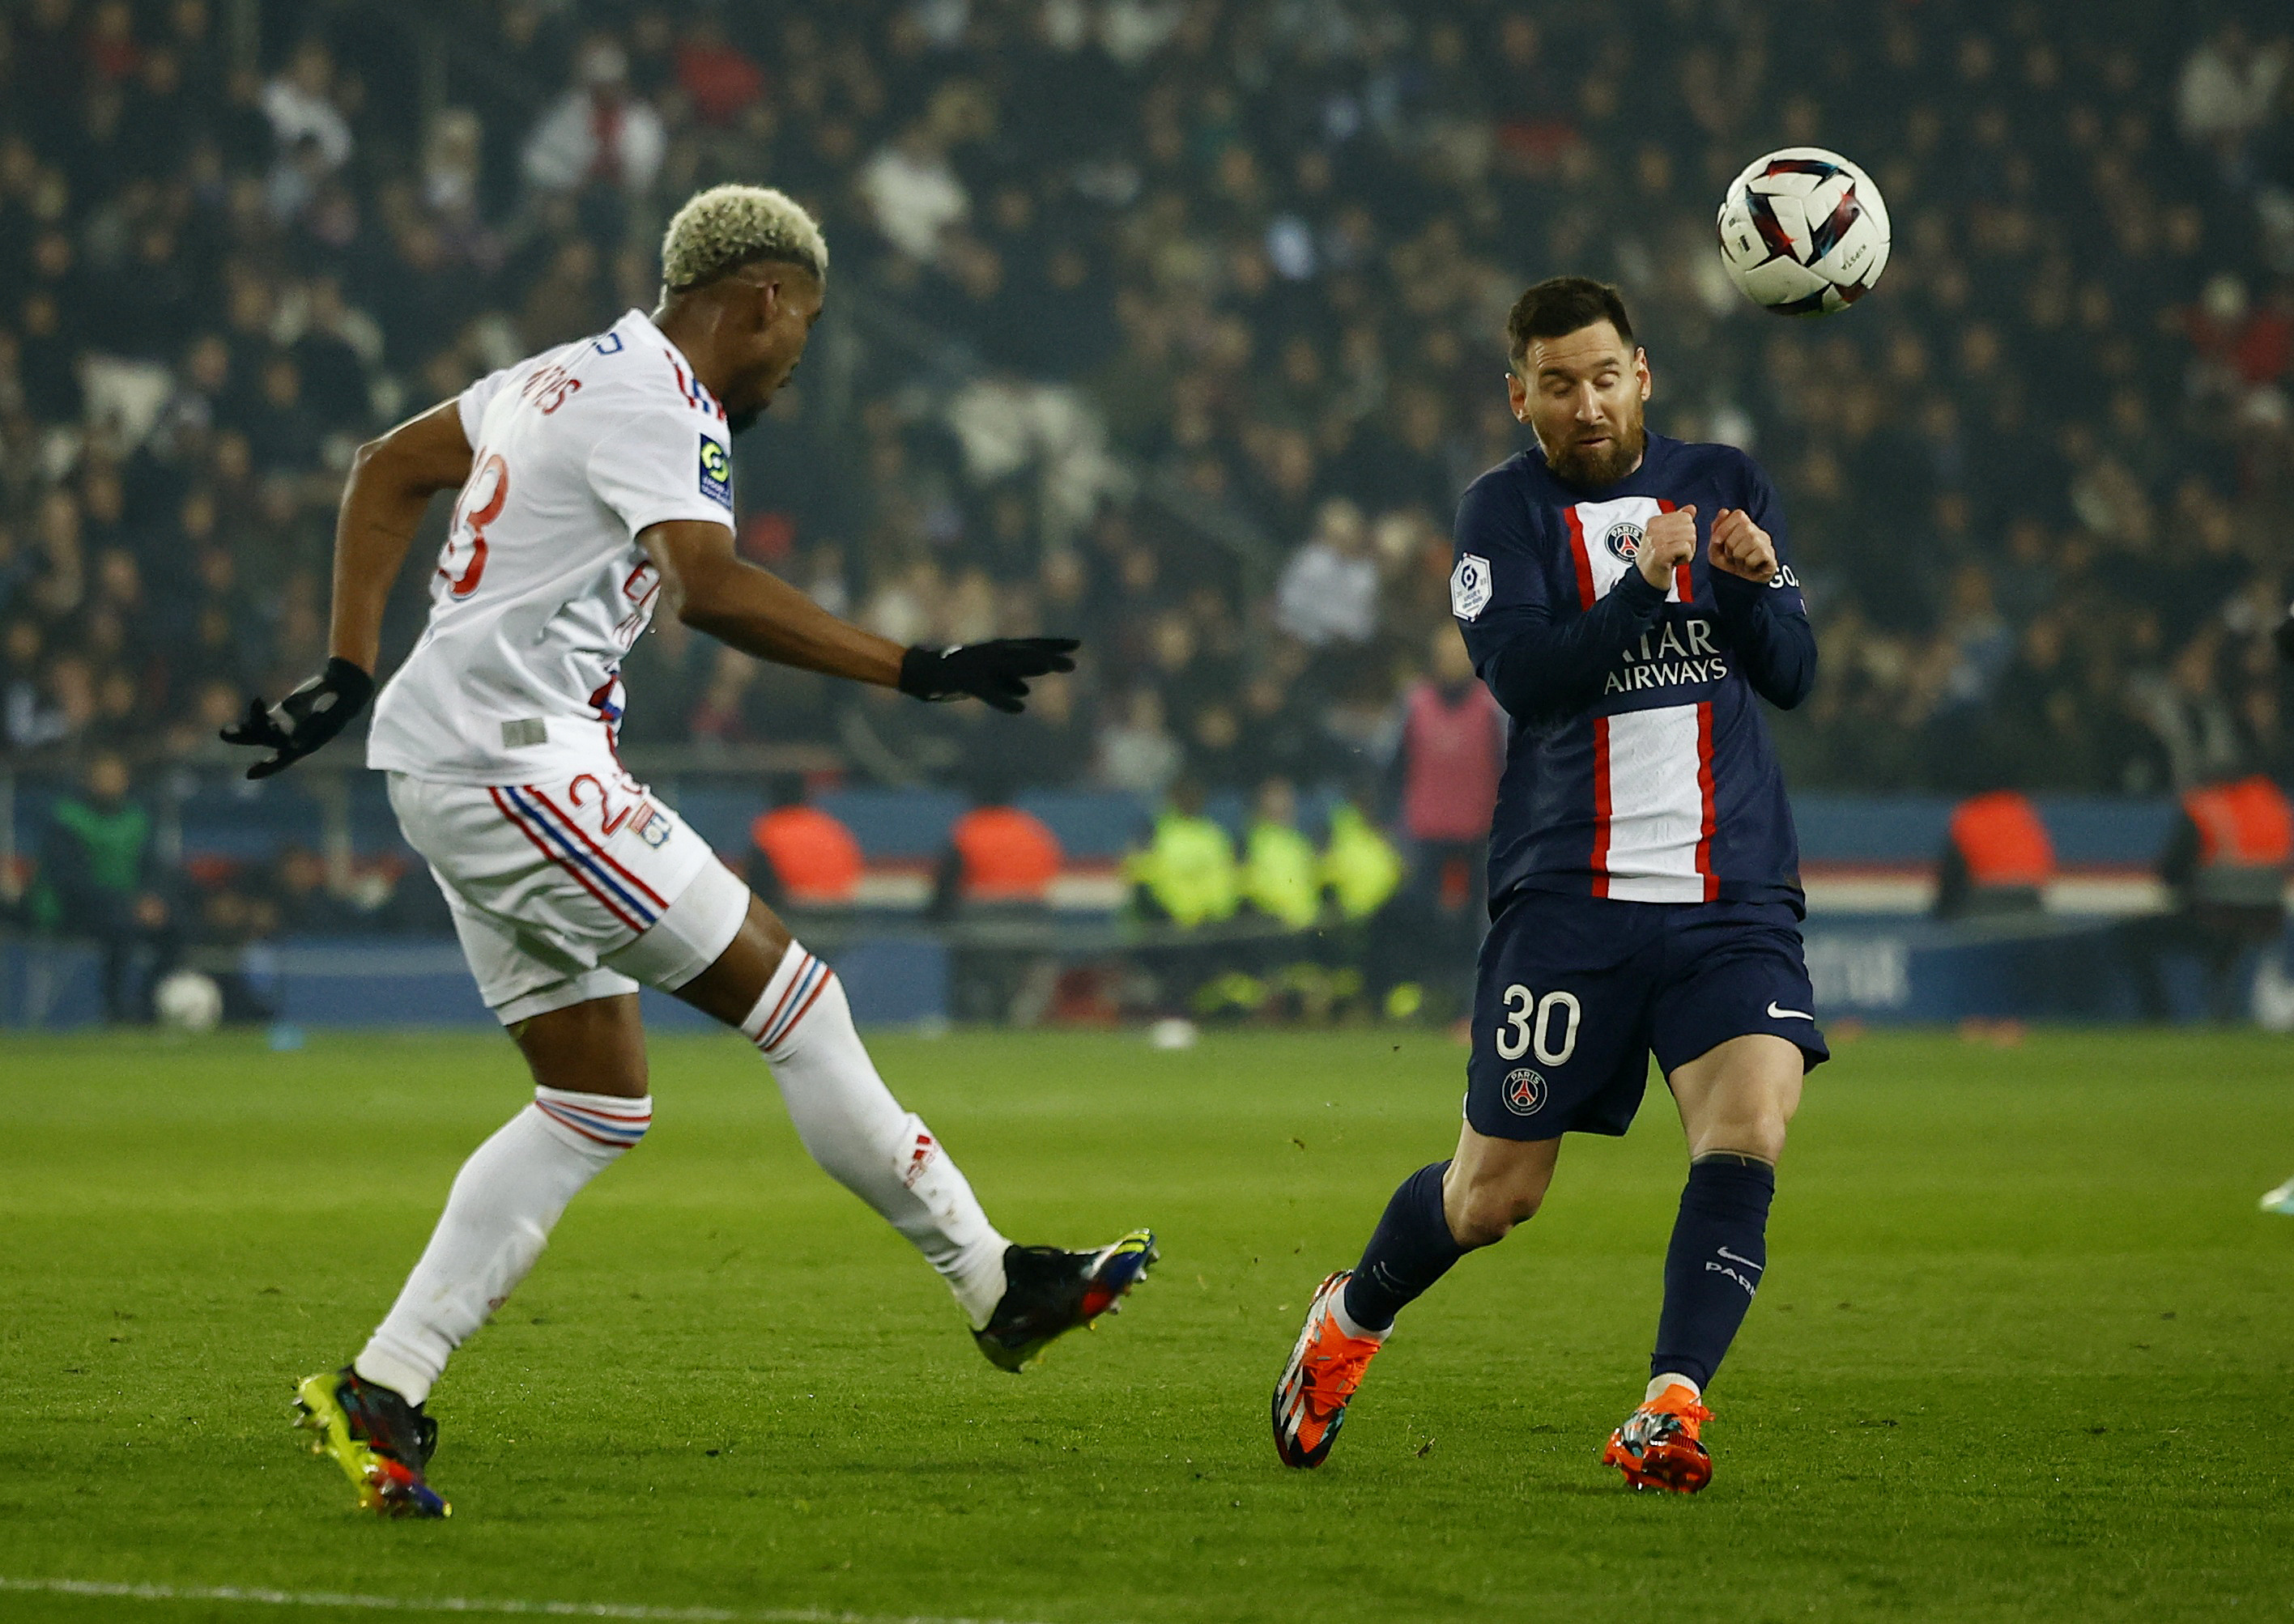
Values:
[(1525, 1089), (1623, 541)]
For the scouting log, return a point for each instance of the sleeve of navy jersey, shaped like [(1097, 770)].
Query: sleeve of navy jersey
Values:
[(1766, 623), (1638, 764), (1512, 589)]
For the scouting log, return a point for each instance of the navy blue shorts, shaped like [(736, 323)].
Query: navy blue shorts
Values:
[(1574, 994)]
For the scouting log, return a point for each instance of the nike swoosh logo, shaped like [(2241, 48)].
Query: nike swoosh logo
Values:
[(1747, 1262), (1778, 1013)]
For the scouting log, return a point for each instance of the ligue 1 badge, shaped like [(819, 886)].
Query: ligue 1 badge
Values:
[(1470, 586), (1623, 541)]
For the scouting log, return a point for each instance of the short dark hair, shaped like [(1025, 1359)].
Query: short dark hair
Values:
[(1560, 306)]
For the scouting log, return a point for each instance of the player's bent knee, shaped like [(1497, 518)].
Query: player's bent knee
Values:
[(1760, 1137), (1482, 1214)]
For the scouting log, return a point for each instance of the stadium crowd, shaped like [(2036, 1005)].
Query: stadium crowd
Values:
[(1177, 324)]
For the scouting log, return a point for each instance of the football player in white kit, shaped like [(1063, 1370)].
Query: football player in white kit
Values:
[(596, 483)]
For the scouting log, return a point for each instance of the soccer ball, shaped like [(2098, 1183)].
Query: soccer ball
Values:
[(188, 1002), (1803, 232)]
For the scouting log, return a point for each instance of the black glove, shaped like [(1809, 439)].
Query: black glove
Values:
[(304, 719), (2284, 635), (996, 671)]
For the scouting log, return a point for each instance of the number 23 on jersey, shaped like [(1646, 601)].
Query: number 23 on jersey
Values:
[(462, 562)]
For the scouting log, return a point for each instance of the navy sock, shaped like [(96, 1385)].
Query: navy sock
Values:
[(1410, 1250), (1720, 1249)]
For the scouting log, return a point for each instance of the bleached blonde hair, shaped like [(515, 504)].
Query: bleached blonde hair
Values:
[(726, 227)]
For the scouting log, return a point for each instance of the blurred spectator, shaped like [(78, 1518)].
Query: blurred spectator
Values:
[(1186, 873), (1359, 863), (100, 879), (1281, 872), (2226, 863), (598, 130), (1997, 858), (913, 193), (1328, 590), (311, 131), (810, 857), (997, 854), (1137, 752)]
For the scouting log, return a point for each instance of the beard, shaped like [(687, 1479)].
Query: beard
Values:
[(742, 422), (1608, 464)]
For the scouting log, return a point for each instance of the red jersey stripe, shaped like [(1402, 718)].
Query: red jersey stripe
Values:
[(1601, 805), (1583, 559), (1704, 797)]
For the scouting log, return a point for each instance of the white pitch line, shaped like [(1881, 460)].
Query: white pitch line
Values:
[(458, 1603)]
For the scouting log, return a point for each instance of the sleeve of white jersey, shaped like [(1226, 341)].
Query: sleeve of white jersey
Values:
[(473, 403), (659, 463)]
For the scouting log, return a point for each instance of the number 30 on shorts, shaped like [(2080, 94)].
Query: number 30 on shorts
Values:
[(1528, 1025)]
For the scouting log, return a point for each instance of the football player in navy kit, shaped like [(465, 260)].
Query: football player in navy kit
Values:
[(1627, 600)]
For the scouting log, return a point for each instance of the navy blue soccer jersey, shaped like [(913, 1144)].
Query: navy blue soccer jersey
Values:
[(1638, 766)]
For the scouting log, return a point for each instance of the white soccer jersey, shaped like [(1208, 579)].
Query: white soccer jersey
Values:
[(541, 587)]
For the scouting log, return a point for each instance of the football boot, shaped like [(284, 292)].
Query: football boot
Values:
[(381, 1441), (1048, 1293), (1657, 1447), (1326, 1365), (2280, 1200)]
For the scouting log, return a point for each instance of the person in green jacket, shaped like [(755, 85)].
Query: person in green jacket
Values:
[(1361, 866), (1186, 873), (1282, 874), (100, 879)]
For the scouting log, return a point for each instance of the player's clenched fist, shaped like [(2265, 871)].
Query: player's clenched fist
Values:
[(1741, 546), (1668, 542)]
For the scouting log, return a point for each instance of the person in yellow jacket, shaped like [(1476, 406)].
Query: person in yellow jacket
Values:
[(1360, 865), (1187, 872), (1282, 873)]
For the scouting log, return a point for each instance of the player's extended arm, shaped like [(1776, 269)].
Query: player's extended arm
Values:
[(712, 589), (393, 479)]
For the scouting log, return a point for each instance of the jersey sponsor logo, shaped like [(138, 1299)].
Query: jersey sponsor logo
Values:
[(1623, 541), (1470, 586), (716, 472), (1671, 654), (1524, 1092)]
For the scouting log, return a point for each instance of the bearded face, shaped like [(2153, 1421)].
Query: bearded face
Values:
[(1583, 393), (1604, 455)]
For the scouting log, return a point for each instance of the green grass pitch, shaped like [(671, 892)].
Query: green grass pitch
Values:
[(2023, 1351)]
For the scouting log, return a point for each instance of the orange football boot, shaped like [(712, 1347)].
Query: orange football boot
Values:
[(1657, 1447), (1325, 1368)]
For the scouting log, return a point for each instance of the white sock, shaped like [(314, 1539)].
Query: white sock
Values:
[(854, 1128), (1658, 1384), (1346, 1320), (498, 1218)]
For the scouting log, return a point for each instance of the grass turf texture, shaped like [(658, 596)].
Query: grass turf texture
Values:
[(2023, 1352)]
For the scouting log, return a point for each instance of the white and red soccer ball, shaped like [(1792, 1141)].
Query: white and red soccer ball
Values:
[(1803, 232)]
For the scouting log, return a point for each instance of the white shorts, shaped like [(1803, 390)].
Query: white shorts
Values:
[(565, 892)]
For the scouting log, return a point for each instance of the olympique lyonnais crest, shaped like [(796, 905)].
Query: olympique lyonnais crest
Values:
[(1470, 586), (1623, 541)]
